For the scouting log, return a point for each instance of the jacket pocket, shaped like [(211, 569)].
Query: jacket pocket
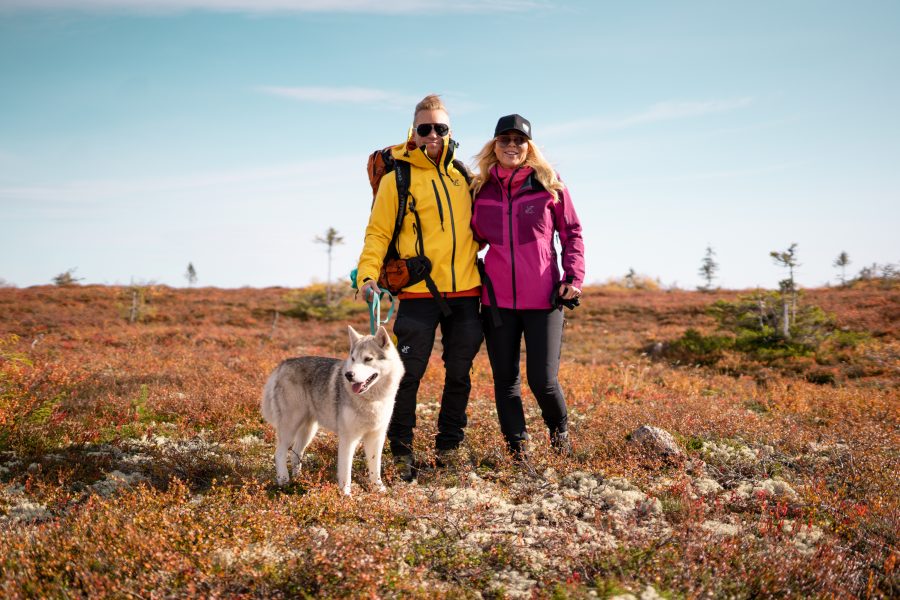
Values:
[(489, 222), (531, 218)]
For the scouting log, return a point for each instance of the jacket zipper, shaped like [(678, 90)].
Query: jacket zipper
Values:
[(512, 249), (452, 228), (437, 198), (437, 166)]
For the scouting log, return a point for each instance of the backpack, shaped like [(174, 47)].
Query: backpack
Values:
[(397, 273), (380, 163)]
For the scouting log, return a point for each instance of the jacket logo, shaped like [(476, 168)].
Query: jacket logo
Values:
[(529, 210)]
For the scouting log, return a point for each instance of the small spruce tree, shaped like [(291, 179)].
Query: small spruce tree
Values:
[(191, 274), (67, 278), (841, 262), (788, 287), (708, 269), (631, 279), (330, 239)]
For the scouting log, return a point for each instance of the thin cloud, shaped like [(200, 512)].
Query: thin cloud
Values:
[(370, 97), (275, 6), (662, 111), (342, 95), (287, 176)]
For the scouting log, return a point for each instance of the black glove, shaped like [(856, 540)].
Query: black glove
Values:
[(557, 301)]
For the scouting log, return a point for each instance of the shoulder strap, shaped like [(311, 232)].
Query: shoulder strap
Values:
[(402, 173), (486, 281), (461, 167)]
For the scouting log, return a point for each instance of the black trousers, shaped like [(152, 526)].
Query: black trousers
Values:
[(542, 330), (461, 336)]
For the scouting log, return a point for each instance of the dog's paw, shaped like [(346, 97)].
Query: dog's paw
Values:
[(345, 490), (282, 481)]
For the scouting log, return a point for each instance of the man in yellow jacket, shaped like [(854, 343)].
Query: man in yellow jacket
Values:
[(439, 194)]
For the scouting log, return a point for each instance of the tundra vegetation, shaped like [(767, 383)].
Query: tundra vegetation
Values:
[(134, 461)]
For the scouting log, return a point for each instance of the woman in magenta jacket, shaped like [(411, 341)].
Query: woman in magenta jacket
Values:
[(520, 204)]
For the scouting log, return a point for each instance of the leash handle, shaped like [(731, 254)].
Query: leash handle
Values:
[(375, 310)]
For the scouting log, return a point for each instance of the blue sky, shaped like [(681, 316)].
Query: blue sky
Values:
[(138, 136)]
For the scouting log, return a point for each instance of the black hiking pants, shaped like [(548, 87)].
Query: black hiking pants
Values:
[(461, 336), (542, 330)]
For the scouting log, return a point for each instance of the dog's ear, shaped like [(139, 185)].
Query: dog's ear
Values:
[(354, 337), (382, 338)]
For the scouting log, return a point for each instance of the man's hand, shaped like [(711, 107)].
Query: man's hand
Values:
[(370, 290)]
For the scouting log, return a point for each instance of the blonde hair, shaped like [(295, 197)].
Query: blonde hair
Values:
[(486, 159), (430, 102)]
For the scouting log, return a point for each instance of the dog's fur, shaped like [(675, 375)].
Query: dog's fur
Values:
[(352, 397)]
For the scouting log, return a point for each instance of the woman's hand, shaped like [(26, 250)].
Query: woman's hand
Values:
[(567, 291)]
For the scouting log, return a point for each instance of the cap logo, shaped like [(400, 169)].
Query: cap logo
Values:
[(526, 128)]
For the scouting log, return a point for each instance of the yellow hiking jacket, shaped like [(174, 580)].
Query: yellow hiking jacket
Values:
[(441, 197)]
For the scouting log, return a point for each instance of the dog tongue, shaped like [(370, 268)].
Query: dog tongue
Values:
[(358, 386)]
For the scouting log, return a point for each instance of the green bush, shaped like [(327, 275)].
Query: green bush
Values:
[(312, 304), (753, 326), (849, 339), (697, 349)]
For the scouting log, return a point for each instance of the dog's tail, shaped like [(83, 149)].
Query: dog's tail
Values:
[(269, 405)]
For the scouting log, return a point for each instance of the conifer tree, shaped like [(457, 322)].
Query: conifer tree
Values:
[(330, 239), (841, 262), (67, 278), (191, 274), (788, 287), (708, 269), (631, 278)]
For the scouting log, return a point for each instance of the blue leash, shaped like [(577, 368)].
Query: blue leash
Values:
[(375, 306), (375, 310)]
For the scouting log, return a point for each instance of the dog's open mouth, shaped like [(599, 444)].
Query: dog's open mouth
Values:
[(359, 388)]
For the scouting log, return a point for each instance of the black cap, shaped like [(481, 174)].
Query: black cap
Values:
[(514, 123)]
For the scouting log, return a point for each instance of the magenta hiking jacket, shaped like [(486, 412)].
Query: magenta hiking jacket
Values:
[(517, 217)]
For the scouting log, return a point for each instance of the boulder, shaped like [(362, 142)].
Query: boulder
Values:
[(656, 440)]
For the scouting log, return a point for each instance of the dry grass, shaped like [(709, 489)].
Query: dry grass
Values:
[(134, 463)]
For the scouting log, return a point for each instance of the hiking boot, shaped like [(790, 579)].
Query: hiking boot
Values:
[(522, 462), (451, 458), (521, 458), (561, 443), (404, 467)]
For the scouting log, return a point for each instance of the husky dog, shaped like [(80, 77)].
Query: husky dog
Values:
[(352, 397)]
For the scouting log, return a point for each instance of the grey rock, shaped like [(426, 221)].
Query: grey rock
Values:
[(656, 440)]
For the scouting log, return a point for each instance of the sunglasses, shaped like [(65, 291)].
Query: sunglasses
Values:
[(506, 140), (424, 129)]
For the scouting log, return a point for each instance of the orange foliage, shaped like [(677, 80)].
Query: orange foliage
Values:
[(79, 384)]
